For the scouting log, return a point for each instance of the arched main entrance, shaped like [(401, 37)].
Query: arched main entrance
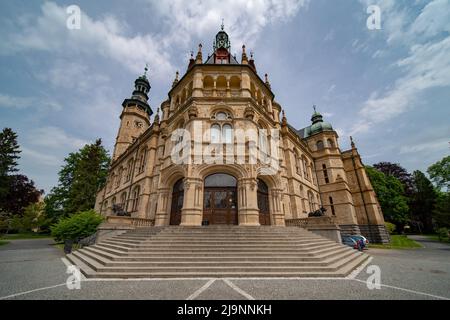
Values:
[(263, 203), (177, 202), (220, 200)]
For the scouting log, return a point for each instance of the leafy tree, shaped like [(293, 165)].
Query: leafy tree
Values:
[(83, 174), (9, 154), (390, 193), (33, 219), (21, 193), (441, 213), (440, 173), (397, 171), (422, 202)]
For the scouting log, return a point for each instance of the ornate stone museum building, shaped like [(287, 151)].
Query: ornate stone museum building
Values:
[(216, 99)]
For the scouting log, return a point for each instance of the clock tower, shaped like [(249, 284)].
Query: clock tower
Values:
[(135, 117), (222, 48)]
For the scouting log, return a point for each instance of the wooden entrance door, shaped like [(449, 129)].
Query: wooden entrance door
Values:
[(220, 199), (263, 203), (220, 206), (177, 203)]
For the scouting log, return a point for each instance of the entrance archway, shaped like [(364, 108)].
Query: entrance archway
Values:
[(220, 199), (177, 202), (263, 203)]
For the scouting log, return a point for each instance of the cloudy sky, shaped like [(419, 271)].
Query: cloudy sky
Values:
[(389, 88)]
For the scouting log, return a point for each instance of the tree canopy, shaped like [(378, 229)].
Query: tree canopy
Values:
[(440, 173), (82, 175), (390, 193)]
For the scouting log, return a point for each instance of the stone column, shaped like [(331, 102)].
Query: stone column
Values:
[(162, 217), (276, 207), (192, 212), (248, 214)]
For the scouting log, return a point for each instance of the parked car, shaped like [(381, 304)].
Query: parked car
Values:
[(363, 241), (349, 241)]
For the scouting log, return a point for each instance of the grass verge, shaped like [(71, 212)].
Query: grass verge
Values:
[(436, 238), (3, 242), (398, 242)]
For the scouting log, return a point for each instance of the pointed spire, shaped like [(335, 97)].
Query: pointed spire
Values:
[(175, 81), (244, 59), (267, 81), (352, 143), (199, 59)]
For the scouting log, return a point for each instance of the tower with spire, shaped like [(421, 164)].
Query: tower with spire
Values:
[(135, 116)]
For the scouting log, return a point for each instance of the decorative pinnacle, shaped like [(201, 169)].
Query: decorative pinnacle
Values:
[(243, 48), (352, 143), (251, 55)]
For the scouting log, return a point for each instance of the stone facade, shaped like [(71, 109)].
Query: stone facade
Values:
[(212, 101)]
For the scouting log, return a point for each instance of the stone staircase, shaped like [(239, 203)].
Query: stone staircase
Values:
[(216, 251)]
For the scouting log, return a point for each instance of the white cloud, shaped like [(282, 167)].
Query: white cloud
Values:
[(427, 66), (96, 37), (72, 75), (429, 146), (9, 101), (244, 19), (42, 158), (53, 138)]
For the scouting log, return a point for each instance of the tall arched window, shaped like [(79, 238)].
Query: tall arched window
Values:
[(325, 173), (123, 201), (119, 177), (227, 133), (136, 194), (215, 133), (142, 160), (298, 162), (311, 201), (113, 179), (130, 169)]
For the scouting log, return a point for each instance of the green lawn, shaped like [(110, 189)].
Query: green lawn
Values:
[(17, 236), (398, 242), (3, 242)]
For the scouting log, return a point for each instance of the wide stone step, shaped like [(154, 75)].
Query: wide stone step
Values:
[(216, 261), (228, 242), (214, 257), (95, 265), (241, 248), (125, 254)]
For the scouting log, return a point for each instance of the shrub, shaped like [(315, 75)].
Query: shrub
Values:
[(390, 227), (442, 233), (77, 226)]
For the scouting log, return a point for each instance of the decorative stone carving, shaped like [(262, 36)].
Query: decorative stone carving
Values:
[(193, 112), (249, 113)]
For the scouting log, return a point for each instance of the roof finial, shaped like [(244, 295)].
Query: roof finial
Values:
[(175, 81), (267, 80), (145, 70), (314, 107), (222, 26), (283, 119), (352, 143)]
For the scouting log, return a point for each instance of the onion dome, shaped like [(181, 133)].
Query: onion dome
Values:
[(318, 124)]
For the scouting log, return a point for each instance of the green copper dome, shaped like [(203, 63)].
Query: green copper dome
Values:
[(318, 125)]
